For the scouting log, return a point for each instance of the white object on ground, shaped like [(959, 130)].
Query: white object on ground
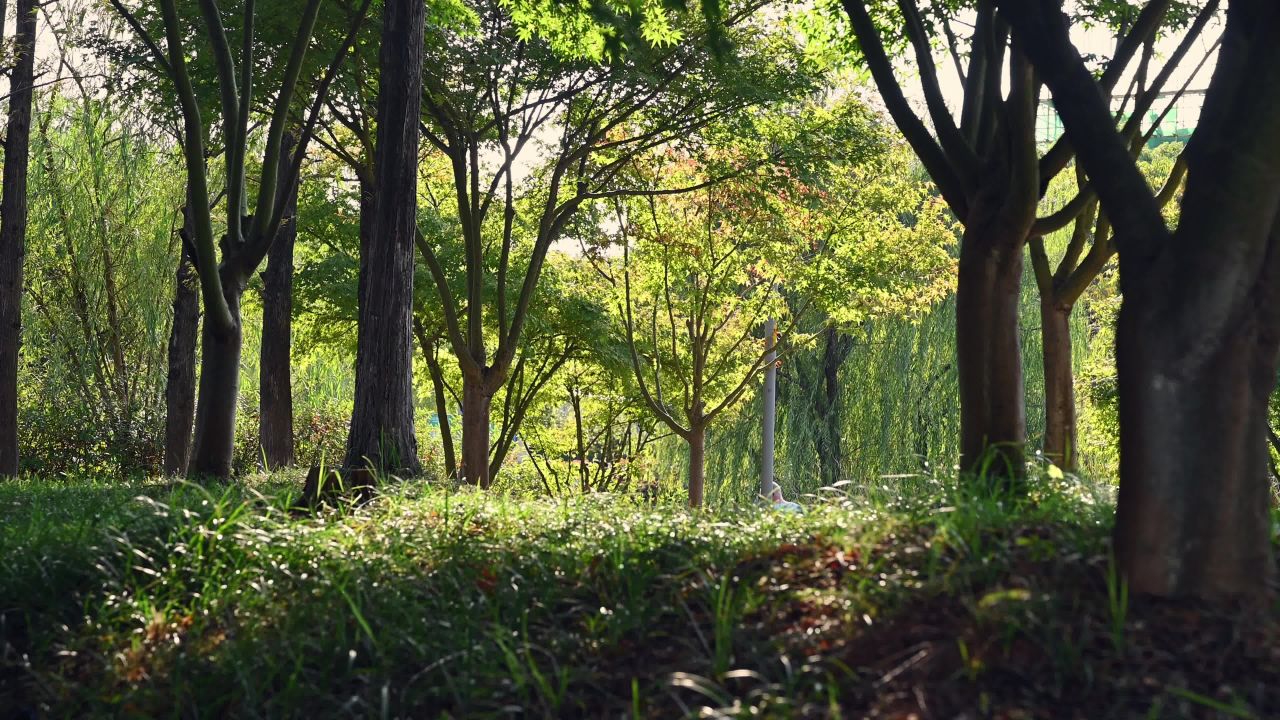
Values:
[(781, 503)]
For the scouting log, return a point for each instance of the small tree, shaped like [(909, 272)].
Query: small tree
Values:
[(701, 272)]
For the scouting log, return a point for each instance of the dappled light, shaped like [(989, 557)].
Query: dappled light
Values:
[(715, 359)]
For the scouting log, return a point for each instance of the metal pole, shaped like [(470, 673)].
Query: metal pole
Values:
[(770, 407)]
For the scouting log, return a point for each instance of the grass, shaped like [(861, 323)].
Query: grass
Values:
[(911, 596)]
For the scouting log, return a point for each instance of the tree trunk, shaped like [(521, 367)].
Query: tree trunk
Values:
[(1059, 385), (827, 439), (1198, 340), (993, 423), (1192, 515), (429, 348), (382, 432), (575, 400), (180, 386), (697, 464), (476, 400), (215, 431), (275, 384), (13, 231)]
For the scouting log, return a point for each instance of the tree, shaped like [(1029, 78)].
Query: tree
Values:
[(275, 386), (600, 443), (13, 227), (225, 267), (988, 168), (519, 77), (709, 280), (180, 383), (889, 257), (100, 203), (382, 433), (1060, 289), (1196, 347), (708, 268)]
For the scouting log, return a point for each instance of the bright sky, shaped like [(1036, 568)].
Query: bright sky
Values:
[(1096, 41)]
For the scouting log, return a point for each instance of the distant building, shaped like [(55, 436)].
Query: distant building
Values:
[(1176, 123)]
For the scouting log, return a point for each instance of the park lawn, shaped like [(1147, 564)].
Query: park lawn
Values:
[(909, 598)]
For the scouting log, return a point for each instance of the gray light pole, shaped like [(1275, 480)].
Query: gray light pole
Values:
[(770, 407)]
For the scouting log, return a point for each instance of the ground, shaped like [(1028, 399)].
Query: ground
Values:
[(912, 598)]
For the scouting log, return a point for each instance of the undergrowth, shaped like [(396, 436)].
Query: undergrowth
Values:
[(911, 596)]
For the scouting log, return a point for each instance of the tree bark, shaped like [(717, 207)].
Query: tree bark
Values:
[(13, 231), (215, 429), (989, 352), (1197, 339), (1059, 385), (476, 400), (697, 464), (180, 385), (1192, 515), (275, 383), (382, 432)]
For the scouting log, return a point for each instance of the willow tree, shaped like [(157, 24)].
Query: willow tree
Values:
[(551, 75), (1196, 344), (225, 266), (986, 163)]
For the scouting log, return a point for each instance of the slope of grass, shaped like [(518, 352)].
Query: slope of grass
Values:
[(912, 598)]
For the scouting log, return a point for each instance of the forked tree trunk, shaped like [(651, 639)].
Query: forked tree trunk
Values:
[(1059, 385), (180, 385), (697, 465), (275, 383), (382, 433), (215, 430), (476, 400), (13, 231), (993, 423)]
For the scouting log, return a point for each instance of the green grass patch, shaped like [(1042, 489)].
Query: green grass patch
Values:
[(150, 600)]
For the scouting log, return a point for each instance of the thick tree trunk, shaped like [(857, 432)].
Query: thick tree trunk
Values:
[(1192, 516), (1059, 385), (993, 424), (275, 383), (1198, 340), (180, 386), (697, 465), (476, 400), (382, 432), (215, 431), (828, 438), (13, 232)]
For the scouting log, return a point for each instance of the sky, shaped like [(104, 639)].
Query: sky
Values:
[(1097, 41)]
